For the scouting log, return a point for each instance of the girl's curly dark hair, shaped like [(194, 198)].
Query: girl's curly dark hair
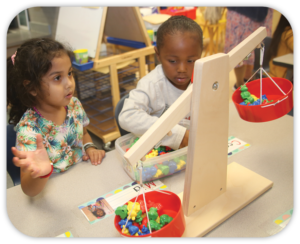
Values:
[(31, 63), (178, 23)]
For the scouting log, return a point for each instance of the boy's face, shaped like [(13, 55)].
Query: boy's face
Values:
[(177, 57)]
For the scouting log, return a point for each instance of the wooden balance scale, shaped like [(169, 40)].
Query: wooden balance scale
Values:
[(213, 190)]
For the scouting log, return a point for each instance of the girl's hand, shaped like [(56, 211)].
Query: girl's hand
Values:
[(36, 162), (94, 155)]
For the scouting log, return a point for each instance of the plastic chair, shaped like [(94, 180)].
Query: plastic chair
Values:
[(12, 170), (118, 109)]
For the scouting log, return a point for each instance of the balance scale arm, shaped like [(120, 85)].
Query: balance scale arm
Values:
[(237, 54), (183, 104)]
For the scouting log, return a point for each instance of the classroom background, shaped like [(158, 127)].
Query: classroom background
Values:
[(111, 86)]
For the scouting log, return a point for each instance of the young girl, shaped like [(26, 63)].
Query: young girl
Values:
[(179, 45), (50, 122)]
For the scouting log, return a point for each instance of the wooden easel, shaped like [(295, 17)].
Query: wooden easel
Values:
[(213, 191), (124, 23)]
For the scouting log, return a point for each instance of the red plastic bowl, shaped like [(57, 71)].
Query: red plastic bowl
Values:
[(281, 105), (171, 206)]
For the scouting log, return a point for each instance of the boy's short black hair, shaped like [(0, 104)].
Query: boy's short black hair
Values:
[(177, 23)]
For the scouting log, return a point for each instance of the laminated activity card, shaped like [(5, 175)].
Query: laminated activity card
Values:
[(105, 205)]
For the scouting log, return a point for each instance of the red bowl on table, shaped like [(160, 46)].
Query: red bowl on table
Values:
[(171, 206)]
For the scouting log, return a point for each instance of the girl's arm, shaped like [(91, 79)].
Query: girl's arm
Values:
[(95, 155), (92, 153), (32, 186), (86, 136), (33, 164)]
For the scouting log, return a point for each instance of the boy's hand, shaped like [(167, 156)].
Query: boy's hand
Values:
[(36, 162), (185, 139), (94, 155)]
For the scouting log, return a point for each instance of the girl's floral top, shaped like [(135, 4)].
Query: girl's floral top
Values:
[(63, 143)]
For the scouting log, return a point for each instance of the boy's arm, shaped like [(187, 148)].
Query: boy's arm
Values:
[(178, 139), (139, 111), (136, 115)]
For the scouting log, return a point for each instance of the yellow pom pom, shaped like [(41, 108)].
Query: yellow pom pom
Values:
[(157, 220), (158, 173), (255, 98)]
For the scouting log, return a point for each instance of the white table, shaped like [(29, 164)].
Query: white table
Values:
[(55, 210), (286, 61)]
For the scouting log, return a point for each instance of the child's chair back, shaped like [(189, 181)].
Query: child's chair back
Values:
[(12, 170), (118, 110)]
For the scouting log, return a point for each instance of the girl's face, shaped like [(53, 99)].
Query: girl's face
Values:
[(100, 212), (177, 57), (58, 84)]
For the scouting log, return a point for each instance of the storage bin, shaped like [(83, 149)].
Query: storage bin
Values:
[(127, 43), (190, 12), (153, 168), (154, 28), (83, 67)]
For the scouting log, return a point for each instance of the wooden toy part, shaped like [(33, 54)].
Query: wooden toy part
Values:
[(210, 116), (213, 191), (237, 54)]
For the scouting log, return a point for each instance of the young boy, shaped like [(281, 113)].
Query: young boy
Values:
[(179, 45)]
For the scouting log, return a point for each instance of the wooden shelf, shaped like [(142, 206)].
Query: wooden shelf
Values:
[(123, 23)]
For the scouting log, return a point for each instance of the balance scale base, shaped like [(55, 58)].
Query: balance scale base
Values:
[(243, 186)]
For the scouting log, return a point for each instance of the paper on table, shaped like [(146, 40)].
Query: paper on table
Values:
[(106, 204), (236, 145), (124, 196)]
